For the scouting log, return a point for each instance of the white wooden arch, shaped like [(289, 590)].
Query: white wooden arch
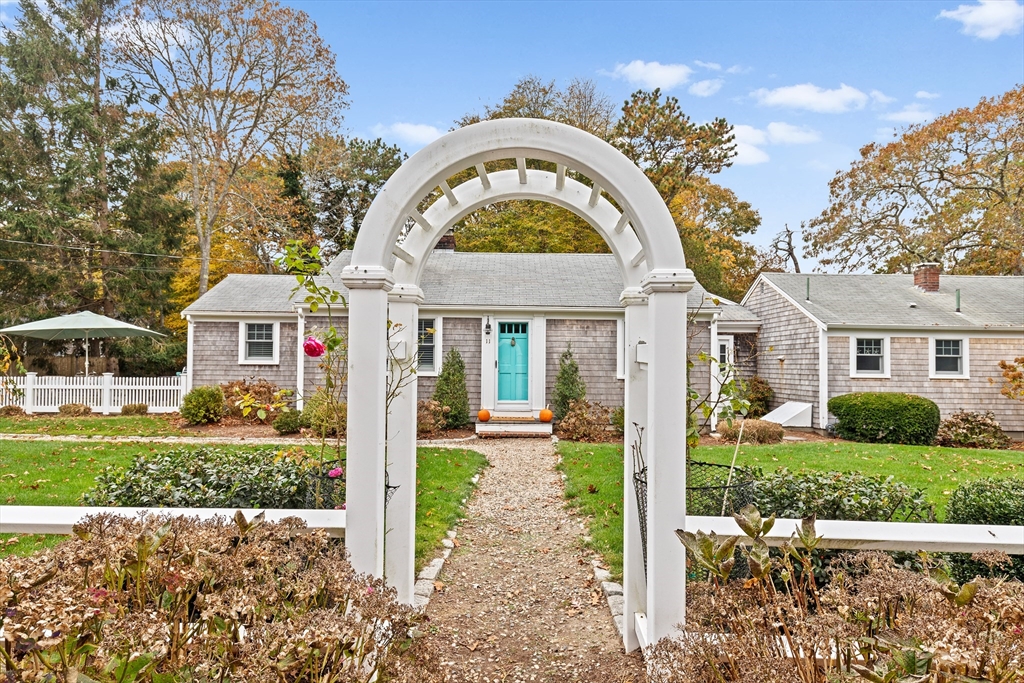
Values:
[(643, 238)]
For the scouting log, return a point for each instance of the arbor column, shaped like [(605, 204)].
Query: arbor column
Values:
[(367, 381), (665, 443), (634, 579), (400, 513)]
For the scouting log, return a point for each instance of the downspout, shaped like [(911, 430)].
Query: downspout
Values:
[(190, 368), (300, 360), (715, 375), (822, 378)]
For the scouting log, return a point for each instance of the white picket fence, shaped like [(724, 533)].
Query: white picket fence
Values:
[(103, 393)]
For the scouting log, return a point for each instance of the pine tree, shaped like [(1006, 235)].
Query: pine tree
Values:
[(451, 390), (569, 386)]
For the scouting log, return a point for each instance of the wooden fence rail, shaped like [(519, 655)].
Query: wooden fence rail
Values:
[(103, 393)]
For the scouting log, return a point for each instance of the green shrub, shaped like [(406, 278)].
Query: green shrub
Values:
[(74, 410), (760, 396), (203, 405), (323, 416), (451, 392), (881, 417), (986, 501), (569, 386), (967, 429), (288, 422), (12, 411), (754, 431), (135, 409), (207, 477), (840, 495), (618, 419)]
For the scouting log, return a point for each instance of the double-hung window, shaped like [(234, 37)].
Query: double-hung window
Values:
[(428, 338), (868, 357), (258, 343), (949, 358)]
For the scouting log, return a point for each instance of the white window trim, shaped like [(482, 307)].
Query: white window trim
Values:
[(438, 355), (731, 354), (242, 360), (965, 358), (885, 357)]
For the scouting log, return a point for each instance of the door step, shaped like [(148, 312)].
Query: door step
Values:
[(504, 424)]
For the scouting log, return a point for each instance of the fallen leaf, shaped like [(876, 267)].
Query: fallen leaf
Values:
[(438, 586)]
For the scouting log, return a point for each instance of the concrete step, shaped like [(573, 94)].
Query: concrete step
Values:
[(511, 429)]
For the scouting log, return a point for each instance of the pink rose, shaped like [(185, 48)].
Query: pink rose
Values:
[(313, 347), (335, 473)]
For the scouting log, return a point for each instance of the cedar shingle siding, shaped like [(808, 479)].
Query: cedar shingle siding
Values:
[(594, 346), (215, 356), (909, 364), (786, 333), (464, 335)]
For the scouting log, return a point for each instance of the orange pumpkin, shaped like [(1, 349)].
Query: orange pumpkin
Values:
[(546, 415), (484, 415)]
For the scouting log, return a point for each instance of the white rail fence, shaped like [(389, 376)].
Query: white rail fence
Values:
[(103, 393)]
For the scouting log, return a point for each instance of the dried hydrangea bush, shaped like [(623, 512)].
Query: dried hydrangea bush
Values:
[(153, 600), (876, 621)]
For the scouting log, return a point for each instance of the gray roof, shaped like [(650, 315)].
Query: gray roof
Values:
[(994, 302), (467, 280)]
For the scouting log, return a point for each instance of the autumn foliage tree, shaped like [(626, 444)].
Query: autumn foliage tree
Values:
[(950, 191), (233, 80)]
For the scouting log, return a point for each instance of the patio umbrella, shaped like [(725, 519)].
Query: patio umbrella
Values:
[(85, 325)]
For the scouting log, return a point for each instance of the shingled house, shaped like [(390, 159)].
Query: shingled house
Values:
[(938, 336), (510, 316)]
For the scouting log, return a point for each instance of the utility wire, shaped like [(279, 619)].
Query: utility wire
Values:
[(125, 253)]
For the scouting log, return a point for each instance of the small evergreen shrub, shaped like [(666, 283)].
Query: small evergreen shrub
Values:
[(569, 386), (883, 417), (429, 416), (135, 409), (288, 422), (968, 429), (619, 419), (203, 405), (323, 417), (986, 501), (207, 477), (840, 495), (12, 411), (451, 391), (585, 421), (760, 396), (754, 431), (75, 410)]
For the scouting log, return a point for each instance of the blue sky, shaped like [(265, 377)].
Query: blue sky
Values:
[(805, 83)]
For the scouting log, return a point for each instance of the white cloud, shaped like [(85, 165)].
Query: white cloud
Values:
[(712, 66), (786, 134), (879, 97), (706, 88), (812, 98), (988, 19), (747, 151), (651, 74), (912, 113), (925, 95), (413, 133), (737, 69)]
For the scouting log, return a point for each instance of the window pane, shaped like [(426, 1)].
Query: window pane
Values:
[(869, 347), (947, 347), (869, 364), (259, 341), (950, 364), (723, 352), (869, 356), (259, 349), (426, 343), (260, 332)]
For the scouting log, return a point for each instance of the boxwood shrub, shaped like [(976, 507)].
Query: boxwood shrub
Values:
[(986, 501), (208, 477), (203, 405), (882, 417)]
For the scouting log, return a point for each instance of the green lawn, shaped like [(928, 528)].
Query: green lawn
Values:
[(58, 473), (594, 474), (97, 425)]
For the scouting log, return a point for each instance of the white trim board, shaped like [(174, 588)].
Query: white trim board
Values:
[(276, 342)]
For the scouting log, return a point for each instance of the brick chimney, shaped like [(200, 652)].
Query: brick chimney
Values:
[(447, 242), (926, 276)]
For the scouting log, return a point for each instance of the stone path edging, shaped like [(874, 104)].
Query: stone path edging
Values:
[(229, 440), (424, 587)]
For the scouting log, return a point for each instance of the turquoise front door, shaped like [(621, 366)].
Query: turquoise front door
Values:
[(513, 362)]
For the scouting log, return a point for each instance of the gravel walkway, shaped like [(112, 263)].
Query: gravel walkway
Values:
[(518, 600)]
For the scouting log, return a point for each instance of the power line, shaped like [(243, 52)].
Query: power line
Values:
[(125, 253)]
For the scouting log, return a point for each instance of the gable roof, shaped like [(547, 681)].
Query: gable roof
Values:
[(466, 280), (846, 300)]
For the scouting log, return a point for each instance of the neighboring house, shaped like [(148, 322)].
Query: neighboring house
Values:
[(510, 316), (941, 337)]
